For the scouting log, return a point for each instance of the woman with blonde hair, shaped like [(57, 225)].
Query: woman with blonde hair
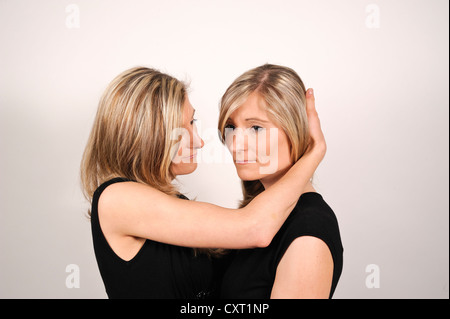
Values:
[(149, 240), (304, 259)]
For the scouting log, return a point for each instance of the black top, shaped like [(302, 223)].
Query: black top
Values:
[(251, 273), (157, 271)]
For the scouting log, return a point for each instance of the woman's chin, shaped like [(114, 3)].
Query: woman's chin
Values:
[(247, 174), (184, 168)]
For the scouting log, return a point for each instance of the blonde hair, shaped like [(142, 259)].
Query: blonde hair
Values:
[(131, 134), (283, 94)]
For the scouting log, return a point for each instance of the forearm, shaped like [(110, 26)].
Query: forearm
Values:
[(273, 206)]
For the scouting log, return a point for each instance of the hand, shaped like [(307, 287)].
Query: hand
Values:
[(317, 142)]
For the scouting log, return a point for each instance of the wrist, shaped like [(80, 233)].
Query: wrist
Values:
[(318, 150)]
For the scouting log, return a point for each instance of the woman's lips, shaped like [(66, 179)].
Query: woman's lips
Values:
[(241, 158), (244, 162), (192, 156)]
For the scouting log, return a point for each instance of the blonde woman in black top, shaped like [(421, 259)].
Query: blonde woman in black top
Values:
[(304, 259), (143, 136)]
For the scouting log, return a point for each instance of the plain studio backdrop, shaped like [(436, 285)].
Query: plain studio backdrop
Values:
[(380, 72)]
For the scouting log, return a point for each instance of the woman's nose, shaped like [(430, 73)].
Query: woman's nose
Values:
[(202, 143), (239, 143), (197, 141)]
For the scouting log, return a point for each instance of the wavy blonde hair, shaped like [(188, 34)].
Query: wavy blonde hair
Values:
[(284, 95), (131, 134)]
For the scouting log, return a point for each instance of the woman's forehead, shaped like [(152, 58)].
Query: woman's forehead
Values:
[(253, 107)]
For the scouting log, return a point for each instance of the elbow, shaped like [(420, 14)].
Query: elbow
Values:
[(264, 241), (258, 230), (261, 235)]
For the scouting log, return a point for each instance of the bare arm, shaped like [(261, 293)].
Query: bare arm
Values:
[(137, 210), (305, 271)]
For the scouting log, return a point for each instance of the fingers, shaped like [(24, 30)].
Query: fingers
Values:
[(315, 131), (310, 102), (310, 93), (311, 112)]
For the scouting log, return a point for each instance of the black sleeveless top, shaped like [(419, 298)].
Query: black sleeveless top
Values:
[(251, 273), (157, 271)]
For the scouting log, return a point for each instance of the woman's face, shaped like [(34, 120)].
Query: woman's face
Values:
[(260, 148), (185, 159)]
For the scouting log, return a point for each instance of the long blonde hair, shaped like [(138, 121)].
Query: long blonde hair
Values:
[(131, 132), (132, 135), (284, 97)]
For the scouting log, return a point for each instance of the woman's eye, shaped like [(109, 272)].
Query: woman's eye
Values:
[(230, 126), (193, 120), (257, 128)]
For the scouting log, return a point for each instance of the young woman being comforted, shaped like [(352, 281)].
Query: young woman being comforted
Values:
[(264, 122)]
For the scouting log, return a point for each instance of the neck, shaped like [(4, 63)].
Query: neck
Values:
[(269, 180), (272, 179)]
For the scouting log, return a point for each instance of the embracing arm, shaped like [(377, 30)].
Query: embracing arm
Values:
[(137, 210)]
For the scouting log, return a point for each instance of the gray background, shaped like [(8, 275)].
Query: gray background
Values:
[(380, 73)]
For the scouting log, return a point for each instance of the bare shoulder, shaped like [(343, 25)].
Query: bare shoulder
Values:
[(113, 192), (308, 257), (121, 204), (305, 270), (124, 193), (114, 214)]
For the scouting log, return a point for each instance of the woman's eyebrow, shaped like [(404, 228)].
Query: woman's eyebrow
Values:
[(193, 114), (256, 119)]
